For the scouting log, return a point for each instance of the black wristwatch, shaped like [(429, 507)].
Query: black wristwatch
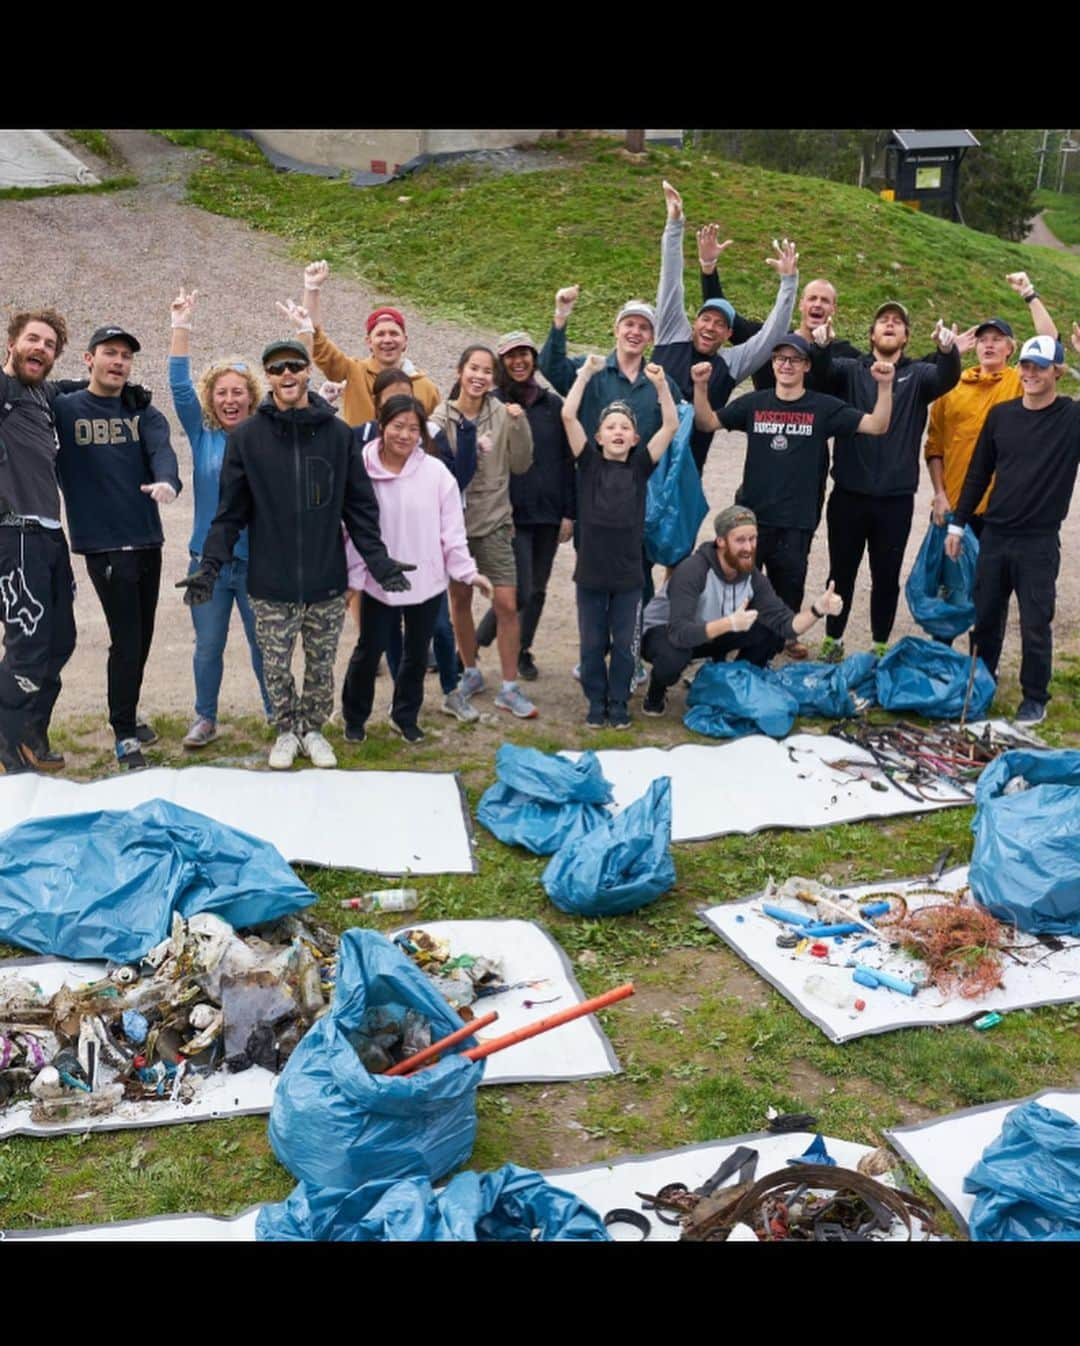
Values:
[(813, 609)]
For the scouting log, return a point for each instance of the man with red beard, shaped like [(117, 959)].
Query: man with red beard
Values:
[(718, 601)]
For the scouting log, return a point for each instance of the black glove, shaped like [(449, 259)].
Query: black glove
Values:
[(393, 579), (199, 585), (135, 397)]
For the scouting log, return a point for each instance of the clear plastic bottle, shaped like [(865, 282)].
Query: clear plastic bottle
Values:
[(383, 899), (820, 988)]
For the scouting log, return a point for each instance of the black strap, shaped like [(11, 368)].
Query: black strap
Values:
[(744, 1160)]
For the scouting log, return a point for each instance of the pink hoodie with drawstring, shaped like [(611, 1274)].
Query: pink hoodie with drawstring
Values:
[(420, 520)]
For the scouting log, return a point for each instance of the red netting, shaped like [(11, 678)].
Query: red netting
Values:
[(959, 942)]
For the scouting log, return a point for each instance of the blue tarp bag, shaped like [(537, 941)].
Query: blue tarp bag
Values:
[(333, 1124), (106, 884), (939, 590), (619, 866), (675, 503), (829, 690), (1025, 865), (930, 679), (541, 800), (728, 700), (1027, 1183), (510, 1205)]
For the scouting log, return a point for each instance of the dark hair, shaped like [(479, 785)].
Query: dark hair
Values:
[(505, 384), (387, 378), (48, 316), (455, 391), (397, 406)]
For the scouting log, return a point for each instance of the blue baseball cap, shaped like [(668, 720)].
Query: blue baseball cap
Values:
[(1001, 325), (725, 308), (1043, 351)]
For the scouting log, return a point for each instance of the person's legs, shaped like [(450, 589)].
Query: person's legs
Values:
[(276, 627), (667, 660), (993, 588), (247, 616), (847, 529), (1035, 565), (442, 638), (393, 644), (461, 596), (358, 693), (521, 543), (149, 585), (320, 633), (211, 623), (756, 646), (115, 577), (624, 616), (507, 636), (784, 559), (890, 527), (409, 683), (544, 549), (592, 609)]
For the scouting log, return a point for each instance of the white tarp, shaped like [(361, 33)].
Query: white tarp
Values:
[(1032, 974), (576, 1051), (35, 159), (946, 1149), (757, 782), (605, 1187), (389, 822)]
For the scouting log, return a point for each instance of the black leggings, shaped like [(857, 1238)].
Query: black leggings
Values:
[(882, 524), (376, 619)]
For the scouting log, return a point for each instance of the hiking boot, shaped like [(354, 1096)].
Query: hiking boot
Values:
[(1030, 712), (655, 702), (472, 681), (411, 733), (146, 733), (527, 666), (129, 754), (283, 753), (314, 746), (618, 716), (202, 732), (458, 704), (355, 733), (514, 700), (38, 756), (832, 651), (880, 648), (795, 649)]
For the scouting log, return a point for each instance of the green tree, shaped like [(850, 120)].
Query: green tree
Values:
[(997, 183)]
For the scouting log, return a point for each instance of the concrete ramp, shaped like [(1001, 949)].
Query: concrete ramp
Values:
[(35, 159)]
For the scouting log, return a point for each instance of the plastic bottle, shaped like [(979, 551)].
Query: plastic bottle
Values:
[(383, 899), (831, 994)]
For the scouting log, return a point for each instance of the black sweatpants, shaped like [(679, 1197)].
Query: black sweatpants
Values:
[(37, 594), (757, 646), (1026, 565), (127, 582), (880, 523), (376, 619), (535, 547), (783, 554)]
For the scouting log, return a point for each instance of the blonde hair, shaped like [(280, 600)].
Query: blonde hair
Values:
[(233, 364)]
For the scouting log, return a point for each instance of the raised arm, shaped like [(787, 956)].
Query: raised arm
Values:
[(575, 431), (704, 416), (672, 323), (185, 399), (315, 274), (670, 417), (1040, 318), (876, 422), (553, 362), (751, 355), (300, 318)]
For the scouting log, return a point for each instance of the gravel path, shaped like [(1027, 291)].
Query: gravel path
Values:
[(121, 257)]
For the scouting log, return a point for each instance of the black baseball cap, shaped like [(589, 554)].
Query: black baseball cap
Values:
[(110, 332), (286, 346), (1001, 325), (796, 341)]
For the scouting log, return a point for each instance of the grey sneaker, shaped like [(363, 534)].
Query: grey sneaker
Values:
[(283, 753), (202, 732), (514, 700), (457, 703), (1030, 712), (313, 745), (472, 681)]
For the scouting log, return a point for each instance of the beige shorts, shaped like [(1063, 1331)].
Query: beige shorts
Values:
[(494, 556)]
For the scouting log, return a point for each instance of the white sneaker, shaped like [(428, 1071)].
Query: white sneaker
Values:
[(317, 748), (283, 753)]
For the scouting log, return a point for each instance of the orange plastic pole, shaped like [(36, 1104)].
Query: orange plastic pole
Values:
[(552, 1021), (411, 1063)]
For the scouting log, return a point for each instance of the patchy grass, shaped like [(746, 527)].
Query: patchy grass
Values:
[(1062, 214), (99, 143), (118, 184)]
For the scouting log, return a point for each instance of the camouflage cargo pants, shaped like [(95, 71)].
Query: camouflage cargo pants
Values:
[(318, 625)]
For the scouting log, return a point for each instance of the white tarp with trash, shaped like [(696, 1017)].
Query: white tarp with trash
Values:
[(1033, 971), (388, 822), (946, 1149), (605, 1186)]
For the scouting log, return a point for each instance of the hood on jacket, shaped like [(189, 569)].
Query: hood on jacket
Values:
[(317, 410), (377, 472)]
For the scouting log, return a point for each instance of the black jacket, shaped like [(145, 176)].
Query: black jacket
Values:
[(545, 493), (291, 478)]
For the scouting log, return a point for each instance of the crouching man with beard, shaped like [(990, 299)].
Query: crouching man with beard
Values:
[(718, 601)]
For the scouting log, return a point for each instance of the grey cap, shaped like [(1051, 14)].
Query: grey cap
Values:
[(640, 308), (735, 516)]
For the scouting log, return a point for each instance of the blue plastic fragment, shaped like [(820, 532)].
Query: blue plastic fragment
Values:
[(815, 1153), (134, 1025)]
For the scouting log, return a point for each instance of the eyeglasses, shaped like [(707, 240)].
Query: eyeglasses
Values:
[(792, 360), (280, 366)]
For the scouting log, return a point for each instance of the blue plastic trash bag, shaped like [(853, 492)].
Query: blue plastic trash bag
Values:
[(511, 1205), (939, 590), (815, 1153), (929, 678), (727, 700), (1027, 1183), (675, 504), (829, 690), (619, 866), (541, 800), (106, 884), (1025, 866), (333, 1124)]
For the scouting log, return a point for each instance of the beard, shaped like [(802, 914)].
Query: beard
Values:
[(26, 375), (743, 565)]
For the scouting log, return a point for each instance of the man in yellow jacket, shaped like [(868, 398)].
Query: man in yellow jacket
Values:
[(957, 419), (387, 342)]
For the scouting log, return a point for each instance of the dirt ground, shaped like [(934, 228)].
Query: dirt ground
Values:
[(121, 257)]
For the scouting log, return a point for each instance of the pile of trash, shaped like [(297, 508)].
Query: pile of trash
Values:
[(202, 999), (461, 980)]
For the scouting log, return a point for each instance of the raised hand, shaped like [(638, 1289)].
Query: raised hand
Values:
[(182, 307), (1076, 337), (786, 260), (592, 365), (701, 372), (1021, 283), (674, 201), (882, 371), (315, 274), (830, 602), (823, 335), (966, 341), (331, 392), (298, 315), (565, 299), (945, 337), (744, 616), (655, 374), (709, 247)]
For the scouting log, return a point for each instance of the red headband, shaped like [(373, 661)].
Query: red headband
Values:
[(380, 313)]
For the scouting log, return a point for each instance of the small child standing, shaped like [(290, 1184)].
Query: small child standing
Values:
[(611, 479)]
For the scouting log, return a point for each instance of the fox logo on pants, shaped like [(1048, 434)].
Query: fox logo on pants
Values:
[(20, 606)]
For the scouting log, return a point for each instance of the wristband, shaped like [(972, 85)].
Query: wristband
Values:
[(955, 530), (813, 609), (182, 326), (1030, 298)]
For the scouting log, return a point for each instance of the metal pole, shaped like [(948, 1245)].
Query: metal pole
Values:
[(1042, 160)]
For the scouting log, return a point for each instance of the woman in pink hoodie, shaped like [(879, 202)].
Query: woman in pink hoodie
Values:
[(419, 504)]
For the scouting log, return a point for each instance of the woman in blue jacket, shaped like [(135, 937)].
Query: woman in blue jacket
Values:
[(227, 394)]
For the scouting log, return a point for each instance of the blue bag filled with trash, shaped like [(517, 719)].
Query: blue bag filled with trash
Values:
[(729, 700), (511, 1205), (832, 691), (541, 800), (675, 503), (939, 590), (106, 884), (1027, 1183), (1025, 865), (927, 677), (619, 866), (333, 1122)]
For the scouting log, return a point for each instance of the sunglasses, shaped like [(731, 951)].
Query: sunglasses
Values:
[(280, 366)]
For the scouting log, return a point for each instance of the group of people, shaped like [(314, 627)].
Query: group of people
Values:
[(400, 503)]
